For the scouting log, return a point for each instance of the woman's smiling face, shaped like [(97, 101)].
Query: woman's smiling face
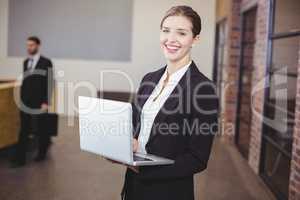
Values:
[(176, 38)]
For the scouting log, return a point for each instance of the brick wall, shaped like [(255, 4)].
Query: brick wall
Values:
[(259, 62), (295, 163), (232, 75), (258, 80), (231, 70)]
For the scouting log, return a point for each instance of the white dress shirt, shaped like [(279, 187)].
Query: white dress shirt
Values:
[(32, 61), (151, 107)]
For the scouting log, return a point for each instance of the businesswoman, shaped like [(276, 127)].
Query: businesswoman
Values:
[(174, 116)]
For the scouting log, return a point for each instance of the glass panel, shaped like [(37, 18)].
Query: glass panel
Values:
[(221, 47), (222, 56), (282, 88), (287, 16), (285, 54), (281, 101), (283, 140), (276, 169)]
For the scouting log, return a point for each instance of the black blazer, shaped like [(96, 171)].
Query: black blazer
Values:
[(180, 132), (37, 86)]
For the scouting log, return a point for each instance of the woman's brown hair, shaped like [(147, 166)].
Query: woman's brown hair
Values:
[(188, 12)]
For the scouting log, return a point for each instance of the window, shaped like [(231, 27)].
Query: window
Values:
[(287, 16), (280, 99)]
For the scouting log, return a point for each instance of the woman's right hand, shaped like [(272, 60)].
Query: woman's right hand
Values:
[(135, 145), (113, 161)]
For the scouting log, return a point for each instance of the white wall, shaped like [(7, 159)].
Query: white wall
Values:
[(146, 54)]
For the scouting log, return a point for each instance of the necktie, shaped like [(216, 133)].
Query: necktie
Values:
[(30, 64)]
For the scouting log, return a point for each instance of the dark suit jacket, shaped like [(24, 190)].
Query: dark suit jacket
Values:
[(183, 130), (37, 85)]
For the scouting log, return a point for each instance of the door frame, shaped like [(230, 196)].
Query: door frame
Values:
[(240, 73), (216, 65)]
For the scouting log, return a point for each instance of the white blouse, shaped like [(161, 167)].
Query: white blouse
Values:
[(151, 107)]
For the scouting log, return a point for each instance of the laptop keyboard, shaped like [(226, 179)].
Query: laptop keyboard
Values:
[(138, 158)]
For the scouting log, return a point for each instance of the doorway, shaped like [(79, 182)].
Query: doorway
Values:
[(243, 115)]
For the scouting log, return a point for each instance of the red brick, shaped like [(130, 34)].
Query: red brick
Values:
[(258, 57)]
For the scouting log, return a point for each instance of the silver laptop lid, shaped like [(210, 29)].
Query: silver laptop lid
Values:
[(105, 128)]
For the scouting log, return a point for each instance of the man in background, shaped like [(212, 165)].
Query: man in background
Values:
[(36, 92)]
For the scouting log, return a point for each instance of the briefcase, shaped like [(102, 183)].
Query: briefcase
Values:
[(47, 123)]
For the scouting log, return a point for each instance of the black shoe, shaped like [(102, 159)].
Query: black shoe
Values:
[(40, 157), (18, 164)]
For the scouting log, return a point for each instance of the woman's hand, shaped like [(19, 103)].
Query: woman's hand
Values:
[(44, 107), (135, 145), (113, 161), (134, 168)]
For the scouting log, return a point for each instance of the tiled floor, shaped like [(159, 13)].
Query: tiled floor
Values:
[(70, 174)]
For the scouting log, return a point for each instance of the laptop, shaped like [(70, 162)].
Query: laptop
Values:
[(105, 128)]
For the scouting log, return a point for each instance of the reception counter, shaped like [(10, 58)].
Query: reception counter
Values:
[(9, 114)]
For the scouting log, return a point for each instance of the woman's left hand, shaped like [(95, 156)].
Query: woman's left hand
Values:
[(134, 168), (44, 107)]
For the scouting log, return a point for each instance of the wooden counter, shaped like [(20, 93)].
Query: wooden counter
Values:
[(223, 9), (9, 114)]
